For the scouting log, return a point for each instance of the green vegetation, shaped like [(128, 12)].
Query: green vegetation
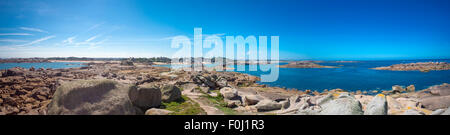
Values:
[(184, 106), (226, 110), (219, 103), (215, 91)]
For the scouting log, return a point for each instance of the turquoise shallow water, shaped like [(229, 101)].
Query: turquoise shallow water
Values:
[(54, 65), (354, 76)]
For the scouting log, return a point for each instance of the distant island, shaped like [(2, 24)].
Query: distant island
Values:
[(420, 66), (304, 64)]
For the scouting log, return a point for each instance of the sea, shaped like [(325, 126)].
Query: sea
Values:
[(350, 76), (45, 65)]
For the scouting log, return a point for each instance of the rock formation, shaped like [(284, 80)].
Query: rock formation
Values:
[(92, 97), (419, 66), (304, 64)]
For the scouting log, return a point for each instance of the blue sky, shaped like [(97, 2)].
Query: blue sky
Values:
[(308, 29)]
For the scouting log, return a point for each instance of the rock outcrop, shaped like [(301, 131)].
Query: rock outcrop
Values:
[(170, 93), (378, 106), (436, 102), (332, 104), (440, 90), (251, 99), (447, 112), (14, 72), (438, 112), (92, 97), (267, 105), (420, 66), (155, 111), (342, 106), (145, 96), (229, 93), (304, 64)]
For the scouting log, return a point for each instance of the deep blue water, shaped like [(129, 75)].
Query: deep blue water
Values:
[(353, 76), (54, 65)]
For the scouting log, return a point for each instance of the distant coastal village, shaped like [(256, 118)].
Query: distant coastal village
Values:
[(136, 86)]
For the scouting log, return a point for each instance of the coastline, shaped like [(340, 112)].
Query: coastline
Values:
[(242, 94), (84, 61)]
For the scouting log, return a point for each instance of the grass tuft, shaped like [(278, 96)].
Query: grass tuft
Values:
[(219, 103), (184, 106)]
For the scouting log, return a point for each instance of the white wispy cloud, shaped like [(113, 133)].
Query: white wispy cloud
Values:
[(220, 35), (33, 29), (70, 40), (92, 44), (99, 42), (95, 26), (12, 40), (38, 41), (7, 48), (15, 34), (89, 42), (93, 37)]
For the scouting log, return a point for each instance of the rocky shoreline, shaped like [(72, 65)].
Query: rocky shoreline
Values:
[(419, 66), (137, 89)]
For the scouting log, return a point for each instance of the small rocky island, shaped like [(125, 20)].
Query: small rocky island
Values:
[(304, 64), (419, 66)]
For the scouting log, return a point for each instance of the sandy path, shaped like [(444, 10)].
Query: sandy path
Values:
[(196, 97)]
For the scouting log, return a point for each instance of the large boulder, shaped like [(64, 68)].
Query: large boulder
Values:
[(435, 102), (364, 100), (447, 112), (342, 106), (145, 96), (170, 93), (394, 107), (397, 89), (438, 112), (156, 111), (268, 105), (202, 80), (13, 72), (307, 107), (229, 93), (324, 99), (441, 90), (92, 97), (222, 82), (233, 103), (309, 110), (410, 88), (378, 106), (251, 99)]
